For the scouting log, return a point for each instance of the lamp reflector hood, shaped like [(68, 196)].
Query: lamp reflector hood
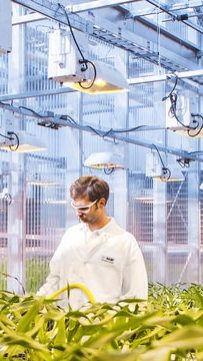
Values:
[(155, 170), (68, 66), (22, 142), (108, 79), (104, 160)]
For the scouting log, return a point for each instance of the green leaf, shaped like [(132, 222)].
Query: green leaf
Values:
[(27, 319), (24, 341), (162, 354), (61, 336), (186, 338), (6, 321), (117, 356)]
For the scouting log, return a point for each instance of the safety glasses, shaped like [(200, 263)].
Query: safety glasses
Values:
[(83, 209)]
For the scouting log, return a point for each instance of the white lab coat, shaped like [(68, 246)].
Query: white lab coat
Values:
[(107, 261)]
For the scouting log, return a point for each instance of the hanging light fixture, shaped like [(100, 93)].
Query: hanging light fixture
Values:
[(182, 115), (101, 78), (156, 169), (68, 65), (108, 161), (22, 142)]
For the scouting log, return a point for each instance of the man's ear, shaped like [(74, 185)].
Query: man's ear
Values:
[(102, 202)]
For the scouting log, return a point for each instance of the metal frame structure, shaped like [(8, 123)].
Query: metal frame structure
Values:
[(171, 212), (132, 41)]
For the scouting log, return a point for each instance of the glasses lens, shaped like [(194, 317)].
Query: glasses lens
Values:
[(83, 208)]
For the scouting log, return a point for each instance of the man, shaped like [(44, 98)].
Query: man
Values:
[(96, 253)]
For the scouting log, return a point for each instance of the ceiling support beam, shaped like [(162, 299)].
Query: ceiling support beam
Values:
[(92, 5), (55, 12), (175, 16), (28, 18), (121, 35), (162, 77), (57, 121)]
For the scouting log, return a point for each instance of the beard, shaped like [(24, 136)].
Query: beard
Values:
[(82, 218), (91, 219)]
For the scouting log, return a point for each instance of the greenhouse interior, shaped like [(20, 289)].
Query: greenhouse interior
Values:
[(140, 130)]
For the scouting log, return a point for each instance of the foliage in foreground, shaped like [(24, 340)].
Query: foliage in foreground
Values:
[(168, 327)]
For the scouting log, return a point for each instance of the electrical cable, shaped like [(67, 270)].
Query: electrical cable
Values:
[(46, 123), (167, 96), (7, 198), (73, 35), (172, 110), (69, 118), (103, 134), (63, 117), (33, 111), (166, 173), (172, 113), (198, 126), (126, 130), (15, 146), (4, 136), (114, 131), (84, 62), (94, 76), (109, 171)]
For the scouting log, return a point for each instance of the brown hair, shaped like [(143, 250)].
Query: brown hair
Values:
[(90, 186)]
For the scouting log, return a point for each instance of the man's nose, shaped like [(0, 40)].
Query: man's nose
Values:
[(78, 212)]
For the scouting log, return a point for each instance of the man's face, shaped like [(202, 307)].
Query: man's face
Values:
[(86, 211)]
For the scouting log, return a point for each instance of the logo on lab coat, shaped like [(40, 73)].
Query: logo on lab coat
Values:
[(108, 259)]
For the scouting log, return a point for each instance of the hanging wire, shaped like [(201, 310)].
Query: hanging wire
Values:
[(196, 125), (109, 170), (173, 108), (171, 92), (84, 62), (199, 125), (166, 173), (15, 140), (94, 76), (12, 137)]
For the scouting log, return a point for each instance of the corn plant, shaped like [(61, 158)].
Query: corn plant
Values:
[(167, 327)]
